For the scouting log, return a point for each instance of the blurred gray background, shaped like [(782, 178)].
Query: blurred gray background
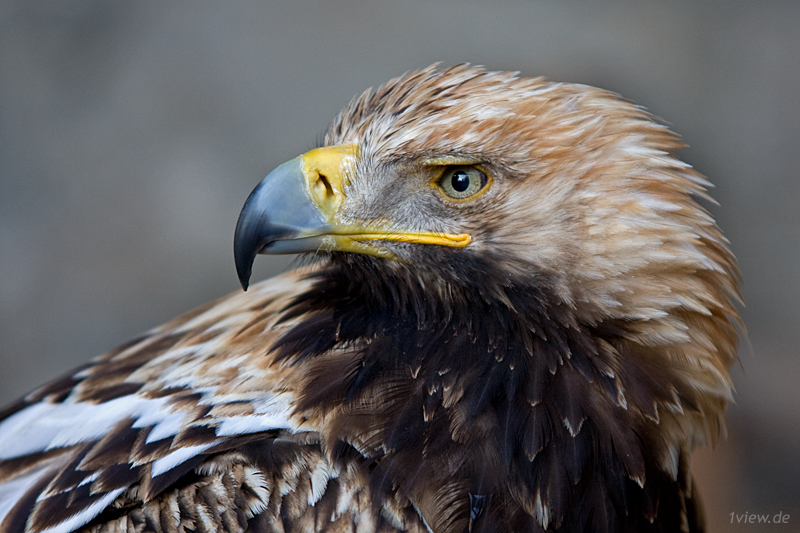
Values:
[(131, 133)]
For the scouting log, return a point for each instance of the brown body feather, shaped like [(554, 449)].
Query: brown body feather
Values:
[(554, 375)]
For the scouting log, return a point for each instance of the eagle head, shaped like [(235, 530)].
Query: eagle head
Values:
[(518, 276)]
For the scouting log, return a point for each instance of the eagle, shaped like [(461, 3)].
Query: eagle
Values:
[(510, 314)]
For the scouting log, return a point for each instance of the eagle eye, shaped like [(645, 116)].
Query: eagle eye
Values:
[(462, 182)]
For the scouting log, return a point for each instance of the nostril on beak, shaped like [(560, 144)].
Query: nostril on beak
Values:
[(323, 190), (323, 181)]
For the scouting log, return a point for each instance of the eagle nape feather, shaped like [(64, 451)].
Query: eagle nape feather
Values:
[(517, 317)]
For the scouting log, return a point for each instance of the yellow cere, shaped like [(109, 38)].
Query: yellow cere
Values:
[(327, 171)]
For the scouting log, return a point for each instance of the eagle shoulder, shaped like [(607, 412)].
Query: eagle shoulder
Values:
[(190, 426)]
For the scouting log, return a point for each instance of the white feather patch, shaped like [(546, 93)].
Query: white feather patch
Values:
[(82, 518), (165, 424), (11, 491), (319, 481), (46, 426), (273, 411), (173, 459)]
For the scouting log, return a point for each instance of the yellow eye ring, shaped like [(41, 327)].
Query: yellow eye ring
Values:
[(462, 182)]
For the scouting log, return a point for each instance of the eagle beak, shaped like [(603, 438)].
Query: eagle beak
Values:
[(296, 208), (292, 208)]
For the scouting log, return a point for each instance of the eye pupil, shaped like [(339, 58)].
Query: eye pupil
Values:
[(460, 181)]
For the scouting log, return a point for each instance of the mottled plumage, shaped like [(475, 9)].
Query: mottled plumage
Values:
[(541, 355)]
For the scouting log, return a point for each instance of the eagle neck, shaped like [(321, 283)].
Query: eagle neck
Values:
[(502, 398)]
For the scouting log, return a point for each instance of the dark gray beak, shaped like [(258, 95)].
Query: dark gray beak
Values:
[(279, 217)]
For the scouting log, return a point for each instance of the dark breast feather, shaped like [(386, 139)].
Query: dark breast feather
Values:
[(545, 421)]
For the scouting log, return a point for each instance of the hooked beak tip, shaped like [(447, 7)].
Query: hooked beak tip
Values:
[(248, 241), (244, 256)]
